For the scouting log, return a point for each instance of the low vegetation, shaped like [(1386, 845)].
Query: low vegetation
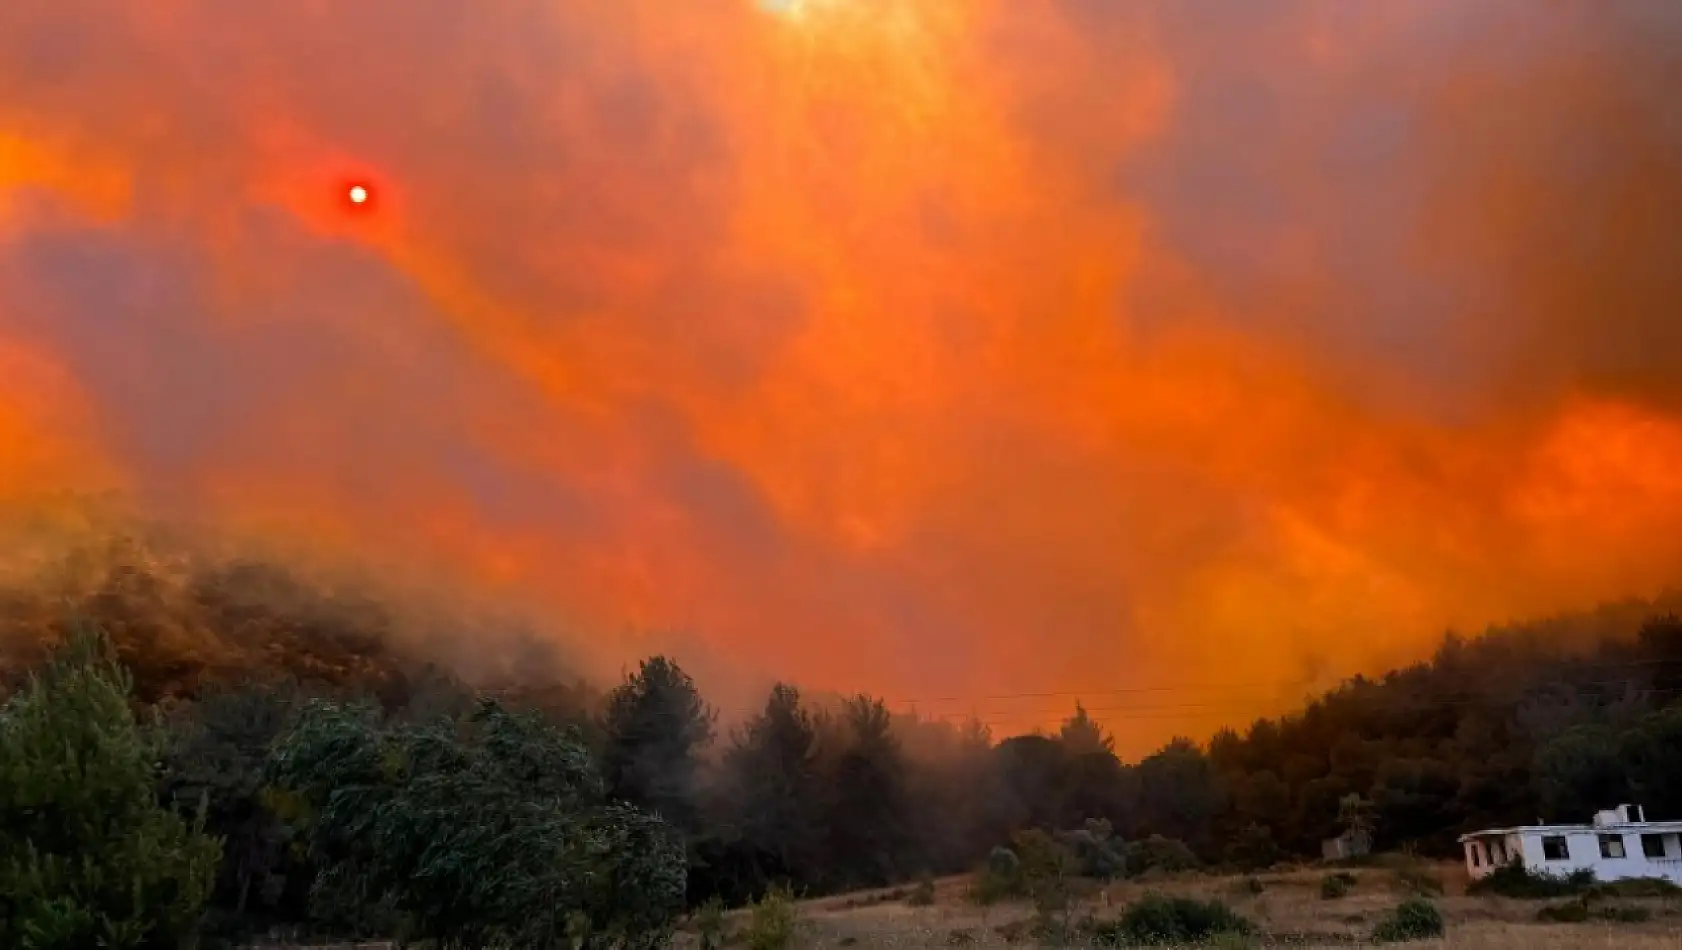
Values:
[(1413, 919), (1159, 919), (1336, 885), (1518, 882)]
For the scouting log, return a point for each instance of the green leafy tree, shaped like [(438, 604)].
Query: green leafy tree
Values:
[(654, 729), (88, 858), (481, 832)]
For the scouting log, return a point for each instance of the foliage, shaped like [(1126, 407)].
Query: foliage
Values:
[(484, 830), (999, 879), (87, 856), (710, 925), (1158, 919), (1336, 885), (1413, 919), (923, 894), (1582, 909), (215, 756), (1160, 854), (1254, 849), (1048, 867), (1097, 853), (773, 921), (869, 834), (1081, 735), (655, 727), (1517, 881)]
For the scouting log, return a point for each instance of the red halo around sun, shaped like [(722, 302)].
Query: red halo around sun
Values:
[(358, 195)]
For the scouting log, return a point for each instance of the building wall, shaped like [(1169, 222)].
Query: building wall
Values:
[(1489, 858), (1585, 855)]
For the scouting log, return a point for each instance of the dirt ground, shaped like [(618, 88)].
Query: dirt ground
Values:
[(1286, 905)]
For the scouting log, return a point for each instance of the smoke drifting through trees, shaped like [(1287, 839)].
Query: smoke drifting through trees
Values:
[(1552, 719)]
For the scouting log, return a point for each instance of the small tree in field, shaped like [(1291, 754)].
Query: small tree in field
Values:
[(88, 857)]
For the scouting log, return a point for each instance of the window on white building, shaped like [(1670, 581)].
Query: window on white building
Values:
[(1477, 855), (1554, 848), (1652, 846), (1611, 846)]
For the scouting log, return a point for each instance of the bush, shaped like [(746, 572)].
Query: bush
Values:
[(773, 921), (1160, 854), (1336, 885), (88, 857), (923, 894), (1096, 854), (710, 925), (1254, 849), (1158, 919), (1413, 919), (1635, 887), (1580, 910), (1000, 879), (1517, 881)]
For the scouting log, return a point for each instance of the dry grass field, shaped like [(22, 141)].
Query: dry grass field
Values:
[(1287, 907)]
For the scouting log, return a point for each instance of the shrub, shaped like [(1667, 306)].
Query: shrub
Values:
[(773, 921), (1000, 879), (1579, 910), (1517, 881), (1336, 885), (1096, 854), (1160, 854), (1157, 919), (88, 857), (1413, 919), (923, 894), (710, 924), (1254, 848), (1635, 887)]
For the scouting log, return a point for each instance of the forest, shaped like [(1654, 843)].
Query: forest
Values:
[(274, 759)]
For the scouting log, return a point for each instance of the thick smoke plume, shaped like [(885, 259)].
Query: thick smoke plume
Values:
[(940, 348)]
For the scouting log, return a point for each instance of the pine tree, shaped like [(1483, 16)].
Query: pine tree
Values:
[(655, 728), (88, 857)]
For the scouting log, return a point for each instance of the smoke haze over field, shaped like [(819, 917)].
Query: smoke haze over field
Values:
[(938, 348)]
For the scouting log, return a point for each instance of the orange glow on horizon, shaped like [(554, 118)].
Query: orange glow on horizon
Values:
[(936, 348)]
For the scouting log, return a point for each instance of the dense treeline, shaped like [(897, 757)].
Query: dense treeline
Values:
[(276, 702)]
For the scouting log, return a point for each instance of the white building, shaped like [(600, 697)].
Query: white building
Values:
[(1619, 844)]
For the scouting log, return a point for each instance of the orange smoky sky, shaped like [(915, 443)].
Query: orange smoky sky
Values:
[(945, 349)]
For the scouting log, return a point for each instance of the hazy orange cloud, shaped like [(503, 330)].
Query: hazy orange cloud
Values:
[(947, 349)]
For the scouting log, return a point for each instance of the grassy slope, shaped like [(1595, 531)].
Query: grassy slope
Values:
[(1289, 908)]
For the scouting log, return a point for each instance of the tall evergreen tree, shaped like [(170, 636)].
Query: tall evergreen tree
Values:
[(869, 816), (654, 730), (775, 789)]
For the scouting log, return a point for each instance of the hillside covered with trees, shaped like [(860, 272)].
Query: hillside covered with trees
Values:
[(355, 783)]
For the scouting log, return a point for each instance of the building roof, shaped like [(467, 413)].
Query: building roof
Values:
[(1650, 827)]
